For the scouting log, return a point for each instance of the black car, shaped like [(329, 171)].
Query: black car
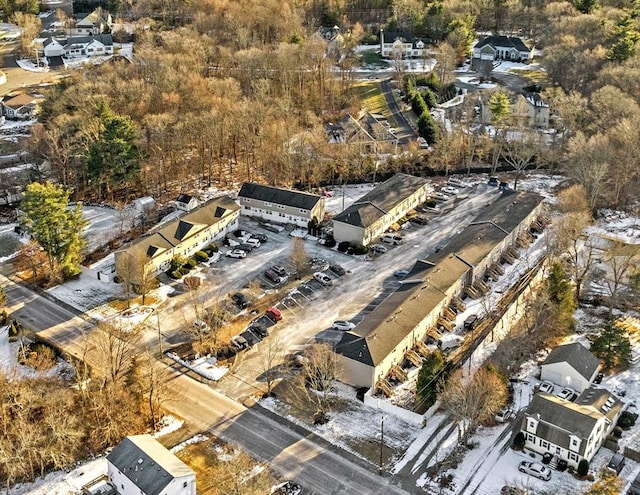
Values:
[(261, 237), (337, 269), (279, 270), (259, 330), (419, 219), (273, 276), (240, 300), (245, 247), (251, 337)]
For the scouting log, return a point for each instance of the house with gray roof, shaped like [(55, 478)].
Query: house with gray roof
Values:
[(97, 22), (283, 206), (493, 49), (140, 465), (401, 44), (570, 365), (372, 214), (186, 202), (368, 352), (78, 46), (571, 431)]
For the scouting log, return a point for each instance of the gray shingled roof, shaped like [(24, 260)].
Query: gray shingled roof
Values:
[(575, 355), (425, 286), (391, 36), (184, 198), (503, 42), (149, 465), (380, 200), (105, 39), (558, 418), (276, 195)]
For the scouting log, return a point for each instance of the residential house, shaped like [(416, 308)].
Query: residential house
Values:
[(334, 40), (533, 110), (185, 202), (369, 353), (140, 465), (364, 133), (20, 106), (571, 431), (401, 45), (490, 51), (372, 214), (182, 236), (79, 46), (279, 205), (570, 365), (97, 22)]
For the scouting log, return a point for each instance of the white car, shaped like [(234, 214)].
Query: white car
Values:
[(567, 393), (535, 469), (343, 325), (504, 414), (392, 239), (323, 278), (378, 249), (450, 190), (237, 253), (546, 387)]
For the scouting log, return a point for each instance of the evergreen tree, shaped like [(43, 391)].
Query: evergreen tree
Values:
[(499, 107), (426, 386), (427, 127), (562, 295), (612, 346), (113, 157), (54, 226), (625, 38)]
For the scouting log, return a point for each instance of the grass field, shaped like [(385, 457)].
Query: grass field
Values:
[(535, 76), (373, 99)]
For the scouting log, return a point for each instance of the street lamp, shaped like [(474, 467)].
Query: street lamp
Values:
[(381, 443)]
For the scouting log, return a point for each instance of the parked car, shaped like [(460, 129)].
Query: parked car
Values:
[(251, 337), (245, 247), (273, 276), (439, 196), (261, 237), (394, 239), (616, 463), (456, 182), (493, 181), (568, 393), (504, 414), (377, 249), (470, 322), (634, 489), (450, 341), (323, 278), (237, 253), (400, 273), (241, 233), (419, 219), (546, 387), (286, 488), (240, 300), (259, 329), (337, 269), (239, 342), (535, 469), (343, 325), (230, 242), (252, 241), (278, 269), (452, 191), (274, 314)]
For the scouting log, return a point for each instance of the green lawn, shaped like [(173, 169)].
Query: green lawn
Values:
[(535, 76), (372, 97)]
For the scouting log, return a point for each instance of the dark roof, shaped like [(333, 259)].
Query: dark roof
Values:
[(425, 287), (577, 356), (559, 418), (503, 42), (276, 195), (149, 465), (380, 200), (182, 230), (184, 198), (391, 36), (50, 40), (105, 39)]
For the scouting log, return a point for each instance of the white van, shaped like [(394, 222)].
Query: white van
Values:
[(394, 239), (450, 342)]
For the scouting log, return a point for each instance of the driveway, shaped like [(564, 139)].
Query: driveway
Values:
[(405, 132)]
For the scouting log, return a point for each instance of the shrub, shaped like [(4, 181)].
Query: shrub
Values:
[(4, 317), (519, 440), (177, 262), (583, 467), (627, 420), (201, 256), (330, 242), (192, 283), (432, 203), (175, 274), (360, 249), (617, 432), (343, 246), (183, 270), (190, 264)]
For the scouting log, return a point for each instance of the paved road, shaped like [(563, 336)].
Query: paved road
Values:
[(318, 467), (405, 132)]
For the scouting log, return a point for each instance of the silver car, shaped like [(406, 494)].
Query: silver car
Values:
[(535, 469)]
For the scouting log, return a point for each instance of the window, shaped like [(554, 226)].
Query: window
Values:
[(266, 203), (531, 438), (280, 207), (245, 200), (184, 485), (303, 211)]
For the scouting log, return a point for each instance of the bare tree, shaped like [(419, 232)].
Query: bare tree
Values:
[(126, 268), (31, 258), (30, 25), (299, 256), (520, 151), (271, 359), (621, 260), (113, 349), (474, 401), (314, 384)]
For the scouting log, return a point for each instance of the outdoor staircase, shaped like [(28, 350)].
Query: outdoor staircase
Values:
[(413, 357), (398, 373), (385, 387), (421, 348), (472, 292), (492, 274), (553, 463), (449, 314), (481, 287), (507, 258), (446, 324), (497, 267), (513, 252), (458, 304)]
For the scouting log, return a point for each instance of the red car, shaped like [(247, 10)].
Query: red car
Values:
[(274, 314)]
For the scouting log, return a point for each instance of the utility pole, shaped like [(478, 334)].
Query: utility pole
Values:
[(381, 443), (159, 334)]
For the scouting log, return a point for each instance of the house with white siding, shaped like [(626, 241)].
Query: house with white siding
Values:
[(140, 465), (278, 205), (369, 353), (570, 365), (372, 214), (570, 431), (401, 45)]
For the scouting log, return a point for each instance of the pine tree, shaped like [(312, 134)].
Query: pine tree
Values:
[(55, 227), (612, 346), (426, 386)]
